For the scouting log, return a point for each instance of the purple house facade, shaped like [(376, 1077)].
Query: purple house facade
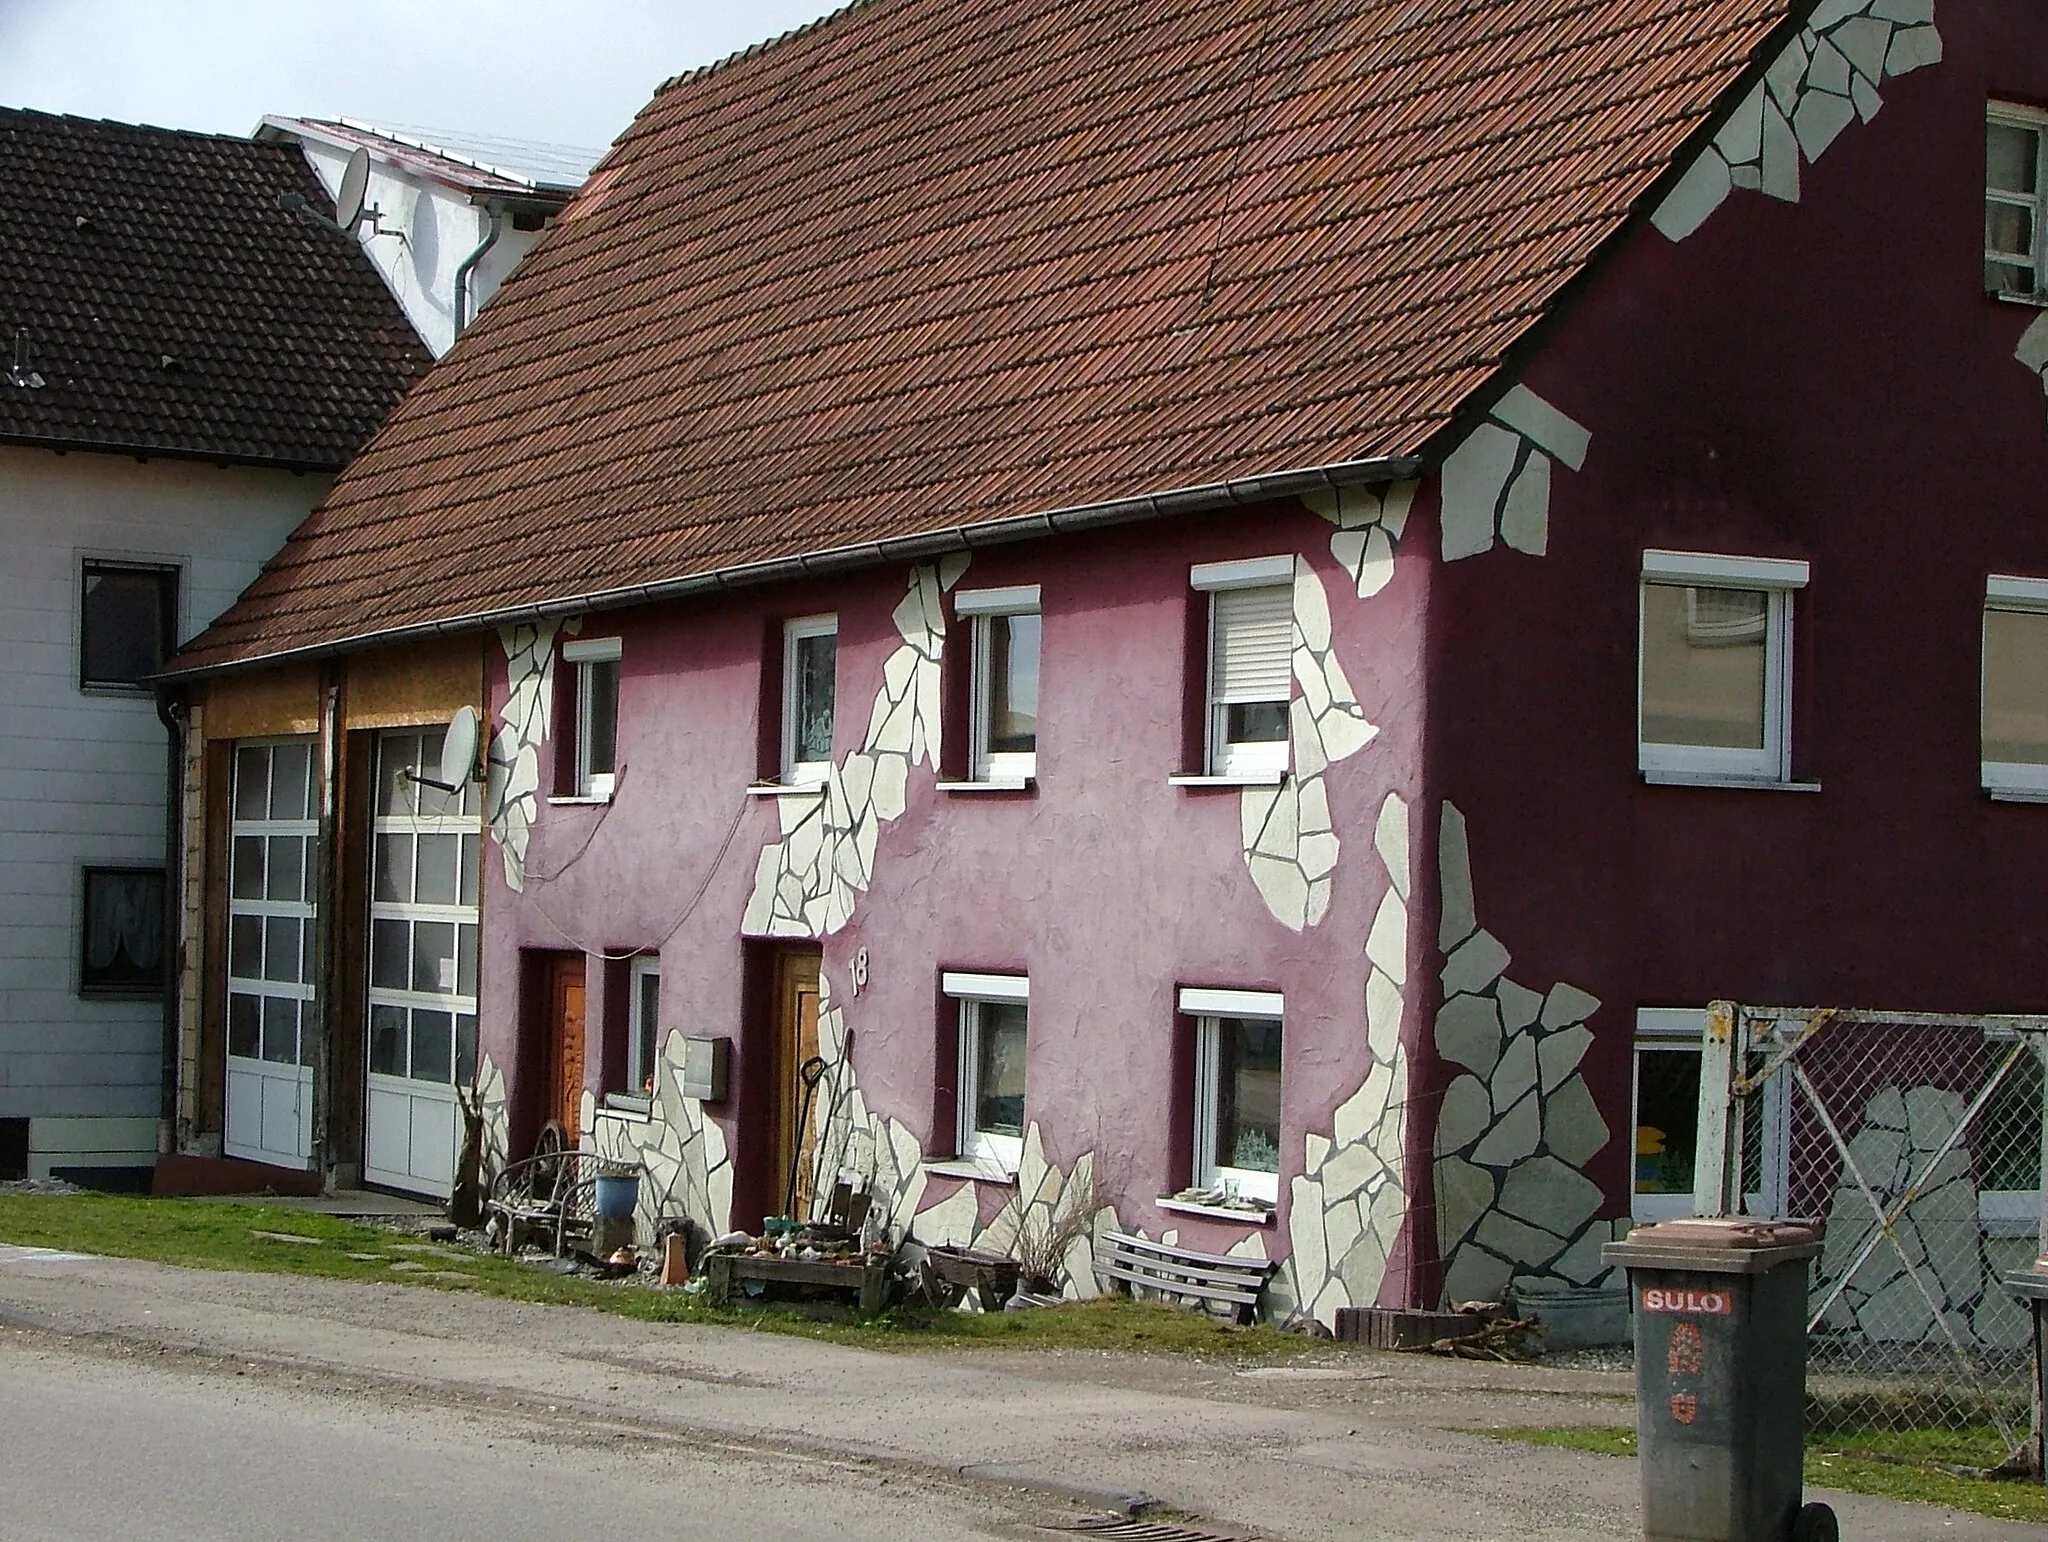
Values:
[(1281, 804)]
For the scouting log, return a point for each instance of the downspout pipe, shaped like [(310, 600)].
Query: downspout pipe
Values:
[(170, 711), (467, 266)]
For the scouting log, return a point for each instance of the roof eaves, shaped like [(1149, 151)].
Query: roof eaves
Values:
[(213, 457), (1262, 488)]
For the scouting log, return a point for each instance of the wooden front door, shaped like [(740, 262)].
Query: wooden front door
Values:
[(565, 1043), (794, 1040)]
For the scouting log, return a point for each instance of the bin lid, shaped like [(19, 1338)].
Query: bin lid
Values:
[(2030, 1283), (1716, 1245), (1724, 1231)]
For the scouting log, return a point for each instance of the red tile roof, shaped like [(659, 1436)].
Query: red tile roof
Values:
[(933, 264)]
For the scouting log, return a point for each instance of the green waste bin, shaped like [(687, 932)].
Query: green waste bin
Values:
[(1720, 1336)]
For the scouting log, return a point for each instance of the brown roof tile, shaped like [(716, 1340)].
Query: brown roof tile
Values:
[(933, 264)]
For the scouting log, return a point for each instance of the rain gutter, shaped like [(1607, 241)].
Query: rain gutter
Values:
[(840, 559)]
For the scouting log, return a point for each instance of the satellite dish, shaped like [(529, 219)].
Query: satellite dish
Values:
[(355, 186), (458, 749)]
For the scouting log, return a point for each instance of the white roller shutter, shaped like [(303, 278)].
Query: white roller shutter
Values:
[(1251, 644)]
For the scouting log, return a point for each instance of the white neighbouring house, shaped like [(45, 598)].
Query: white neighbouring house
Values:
[(446, 217), (184, 364)]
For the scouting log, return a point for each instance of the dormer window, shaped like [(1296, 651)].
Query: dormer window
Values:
[(2015, 139)]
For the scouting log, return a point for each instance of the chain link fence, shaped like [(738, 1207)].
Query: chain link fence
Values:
[(1916, 1140)]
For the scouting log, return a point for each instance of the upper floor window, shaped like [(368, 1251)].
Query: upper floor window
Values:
[(2015, 142), (127, 622), (597, 713), (810, 659), (2015, 686), (1237, 1091), (1251, 663), (1004, 709), (995, 1013), (1714, 681)]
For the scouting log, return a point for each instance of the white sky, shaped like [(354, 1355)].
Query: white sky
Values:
[(570, 73)]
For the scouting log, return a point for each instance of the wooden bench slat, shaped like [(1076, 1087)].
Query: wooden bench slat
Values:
[(1238, 1296), (1179, 1255), (1252, 1272)]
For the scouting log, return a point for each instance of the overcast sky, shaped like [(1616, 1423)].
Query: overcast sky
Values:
[(570, 73)]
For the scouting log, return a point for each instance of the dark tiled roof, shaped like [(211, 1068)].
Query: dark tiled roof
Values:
[(170, 306), (937, 263)]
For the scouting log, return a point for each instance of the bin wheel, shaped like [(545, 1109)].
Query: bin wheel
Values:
[(1816, 1523)]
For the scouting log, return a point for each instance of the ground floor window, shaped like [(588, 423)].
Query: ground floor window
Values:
[(121, 946), (995, 1013), (643, 1026), (1237, 1091)]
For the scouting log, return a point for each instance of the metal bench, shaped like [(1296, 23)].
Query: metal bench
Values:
[(551, 1195), (1134, 1263)]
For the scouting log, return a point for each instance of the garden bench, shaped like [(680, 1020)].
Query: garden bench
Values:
[(1134, 1263), (552, 1194)]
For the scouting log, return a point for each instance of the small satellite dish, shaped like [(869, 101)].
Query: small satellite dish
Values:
[(458, 754), (355, 186), (458, 749)]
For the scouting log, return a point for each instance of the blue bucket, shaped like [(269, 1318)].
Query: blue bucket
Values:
[(618, 1196)]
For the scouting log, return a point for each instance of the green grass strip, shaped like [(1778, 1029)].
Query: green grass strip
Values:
[(1890, 1464), (222, 1234)]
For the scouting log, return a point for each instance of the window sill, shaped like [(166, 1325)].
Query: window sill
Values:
[(1260, 1217), (1199, 779), (1010, 784), (577, 801), (2017, 794), (953, 1167), (786, 790), (619, 1105), (1708, 779), (2031, 301)]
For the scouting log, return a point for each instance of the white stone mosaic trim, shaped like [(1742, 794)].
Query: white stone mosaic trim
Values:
[(808, 881), (1516, 1129), (1043, 1199), (1351, 1197), (1369, 523), (512, 782), (2033, 349), (490, 1092), (1496, 484), (1290, 845), (852, 1139), (1826, 78), (1940, 1232), (686, 1168)]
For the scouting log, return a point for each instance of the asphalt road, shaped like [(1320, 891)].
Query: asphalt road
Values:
[(156, 1448)]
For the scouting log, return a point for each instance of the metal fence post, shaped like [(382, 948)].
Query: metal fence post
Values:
[(1710, 1176)]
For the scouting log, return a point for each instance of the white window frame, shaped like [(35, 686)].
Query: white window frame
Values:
[(585, 653), (641, 1065), (1011, 767), (1259, 759), (1780, 579), (1682, 1029), (2034, 122), (2026, 595), (999, 1155), (804, 773), (1207, 1006)]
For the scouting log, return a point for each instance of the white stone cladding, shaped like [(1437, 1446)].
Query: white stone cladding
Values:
[(1496, 483), (2033, 349), (1518, 1125), (686, 1169), (807, 882), (1827, 77), (1351, 1198), (1369, 523), (512, 790), (1290, 844)]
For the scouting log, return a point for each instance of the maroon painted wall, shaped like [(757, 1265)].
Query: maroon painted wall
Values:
[(1822, 380)]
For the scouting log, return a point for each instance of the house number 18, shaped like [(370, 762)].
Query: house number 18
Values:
[(860, 970)]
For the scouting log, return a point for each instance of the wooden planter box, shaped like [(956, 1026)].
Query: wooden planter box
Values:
[(866, 1280), (1393, 1327)]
